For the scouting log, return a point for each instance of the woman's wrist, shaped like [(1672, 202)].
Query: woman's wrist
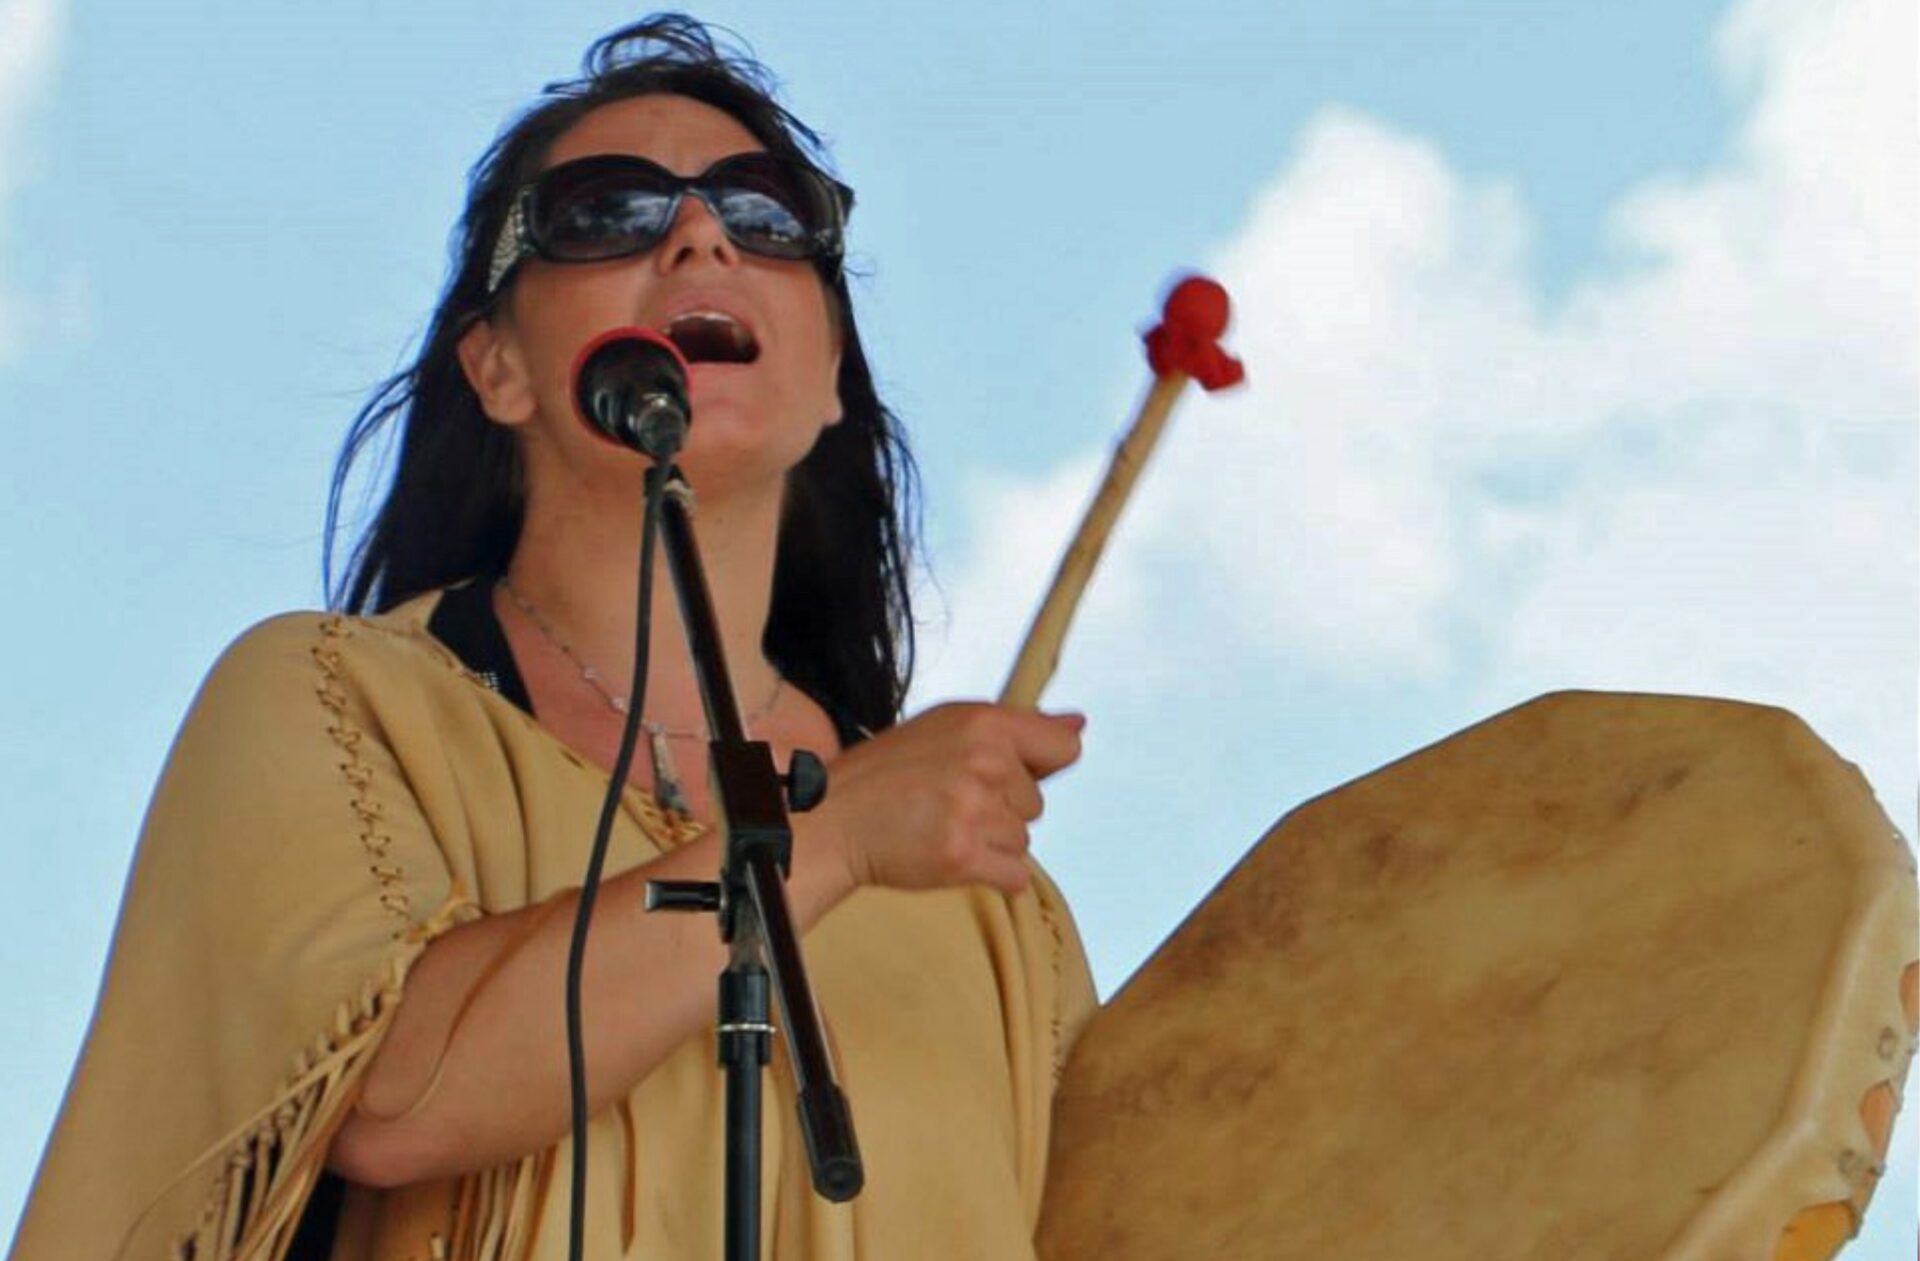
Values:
[(823, 856)]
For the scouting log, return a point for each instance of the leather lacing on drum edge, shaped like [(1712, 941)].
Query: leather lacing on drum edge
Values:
[(1819, 1231)]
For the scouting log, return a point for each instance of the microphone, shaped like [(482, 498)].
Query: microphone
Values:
[(630, 387)]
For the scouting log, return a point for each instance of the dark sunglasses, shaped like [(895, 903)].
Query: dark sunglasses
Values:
[(615, 205)]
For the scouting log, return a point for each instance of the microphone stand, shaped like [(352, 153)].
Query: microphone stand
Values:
[(750, 899)]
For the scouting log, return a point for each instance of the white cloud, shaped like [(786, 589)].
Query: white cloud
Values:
[(29, 42), (1767, 548)]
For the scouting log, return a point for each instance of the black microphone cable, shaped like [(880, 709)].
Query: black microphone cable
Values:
[(656, 481)]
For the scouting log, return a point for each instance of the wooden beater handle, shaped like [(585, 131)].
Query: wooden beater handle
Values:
[(1184, 347)]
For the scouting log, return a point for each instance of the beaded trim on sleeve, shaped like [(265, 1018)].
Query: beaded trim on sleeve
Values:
[(359, 775)]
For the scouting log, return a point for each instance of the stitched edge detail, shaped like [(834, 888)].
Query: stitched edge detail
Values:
[(1043, 899), (667, 828), (387, 874)]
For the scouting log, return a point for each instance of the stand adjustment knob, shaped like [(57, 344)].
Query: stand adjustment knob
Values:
[(806, 781)]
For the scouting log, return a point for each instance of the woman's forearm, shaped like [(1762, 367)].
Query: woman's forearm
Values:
[(474, 1070)]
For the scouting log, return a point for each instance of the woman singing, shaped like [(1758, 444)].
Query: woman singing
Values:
[(332, 1024)]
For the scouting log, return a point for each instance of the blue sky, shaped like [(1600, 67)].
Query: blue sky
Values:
[(1581, 339)]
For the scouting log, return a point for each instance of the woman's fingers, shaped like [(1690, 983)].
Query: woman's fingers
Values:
[(1046, 743), (1024, 800), (1006, 873), (1039, 745), (996, 777), (945, 799)]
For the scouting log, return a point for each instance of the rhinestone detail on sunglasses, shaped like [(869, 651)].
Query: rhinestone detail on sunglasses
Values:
[(517, 241), (511, 247)]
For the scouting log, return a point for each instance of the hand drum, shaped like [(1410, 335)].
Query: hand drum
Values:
[(1604, 978)]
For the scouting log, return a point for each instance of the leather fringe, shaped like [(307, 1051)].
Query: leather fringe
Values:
[(265, 1169)]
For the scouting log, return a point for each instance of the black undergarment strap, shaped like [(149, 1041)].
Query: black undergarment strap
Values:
[(844, 726), (465, 622)]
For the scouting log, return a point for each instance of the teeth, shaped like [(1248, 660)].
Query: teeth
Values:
[(709, 316), (705, 336), (709, 323)]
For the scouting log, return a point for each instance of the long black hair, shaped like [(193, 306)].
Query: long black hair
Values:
[(841, 621)]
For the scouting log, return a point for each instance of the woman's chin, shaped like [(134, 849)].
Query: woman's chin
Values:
[(725, 459)]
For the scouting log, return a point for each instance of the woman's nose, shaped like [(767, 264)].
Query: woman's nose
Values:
[(696, 233)]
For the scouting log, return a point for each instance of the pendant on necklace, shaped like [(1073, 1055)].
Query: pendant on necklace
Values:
[(666, 780)]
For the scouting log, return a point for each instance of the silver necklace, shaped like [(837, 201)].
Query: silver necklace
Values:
[(666, 778)]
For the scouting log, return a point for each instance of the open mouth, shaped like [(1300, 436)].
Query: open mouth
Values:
[(712, 337)]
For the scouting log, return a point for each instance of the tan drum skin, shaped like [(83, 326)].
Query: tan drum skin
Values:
[(1604, 978)]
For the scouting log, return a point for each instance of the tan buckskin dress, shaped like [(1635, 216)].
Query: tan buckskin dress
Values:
[(342, 791)]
